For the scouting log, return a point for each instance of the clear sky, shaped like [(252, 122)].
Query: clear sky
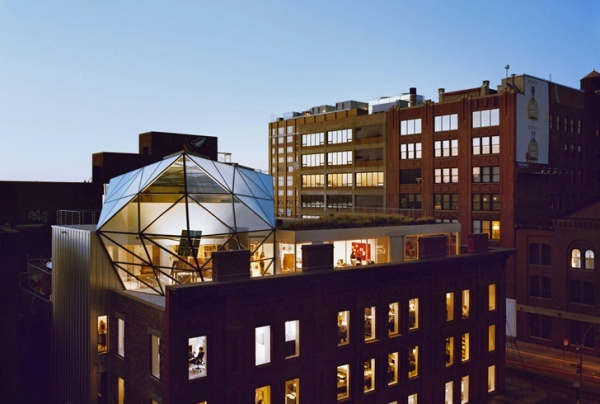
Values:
[(84, 76)]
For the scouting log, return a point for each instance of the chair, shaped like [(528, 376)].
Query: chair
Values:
[(199, 361)]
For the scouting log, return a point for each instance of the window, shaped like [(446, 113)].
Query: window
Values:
[(312, 180), (445, 148), (121, 337), (489, 227), (464, 390), (408, 176), (491, 378), (540, 326), (466, 303), (313, 160), (445, 201), (449, 351), (486, 202), (412, 399), (449, 306), (313, 139), (343, 382), (490, 117), (485, 145), (343, 320), (445, 175), (413, 314), (581, 292), (339, 180), (197, 357), (262, 345), (292, 339), (290, 181), (448, 392), (262, 395), (120, 390), (491, 337), (410, 151), (465, 354), (410, 127), (155, 352), (486, 174), (338, 201), (579, 330), (392, 369), (339, 136), (102, 333), (410, 201), (369, 323), (413, 362), (369, 375), (540, 286), (446, 122), (370, 179), (313, 201), (339, 158), (589, 260), (292, 391), (393, 328), (575, 258), (492, 296)]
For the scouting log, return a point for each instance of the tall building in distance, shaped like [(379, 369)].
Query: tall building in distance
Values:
[(489, 159)]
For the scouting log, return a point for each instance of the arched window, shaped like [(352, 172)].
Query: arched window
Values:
[(575, 258), (589, 260)]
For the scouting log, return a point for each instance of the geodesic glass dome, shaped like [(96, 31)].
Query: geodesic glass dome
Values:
[(161, 223)]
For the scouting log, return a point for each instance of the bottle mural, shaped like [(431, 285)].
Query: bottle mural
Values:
[(532, 149), (532, 106)]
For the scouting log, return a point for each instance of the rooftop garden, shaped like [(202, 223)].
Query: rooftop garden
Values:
[(345, 221)]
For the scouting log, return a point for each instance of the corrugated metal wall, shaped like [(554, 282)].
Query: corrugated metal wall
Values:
[(81, 278)]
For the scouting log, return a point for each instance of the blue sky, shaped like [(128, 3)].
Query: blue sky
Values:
[(80, 77)]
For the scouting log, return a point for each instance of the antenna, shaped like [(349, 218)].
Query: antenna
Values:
[(506, 68)]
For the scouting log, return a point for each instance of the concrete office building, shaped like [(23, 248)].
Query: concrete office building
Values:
[(185, 293)]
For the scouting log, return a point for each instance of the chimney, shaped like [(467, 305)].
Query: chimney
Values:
[(432, 246), (317, 257), (441, 92), (231, 265), (485, 88), (477, 242), (412, 99)]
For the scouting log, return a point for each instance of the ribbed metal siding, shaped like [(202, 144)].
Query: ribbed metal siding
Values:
[(81, 277)]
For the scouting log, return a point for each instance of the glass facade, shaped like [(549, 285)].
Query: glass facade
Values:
[(160, 224)]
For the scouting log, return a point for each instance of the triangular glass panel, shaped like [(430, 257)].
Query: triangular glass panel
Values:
[(222, 173), (255, 184), (199, 182), (128, 216), (245, 218), (152, 171)]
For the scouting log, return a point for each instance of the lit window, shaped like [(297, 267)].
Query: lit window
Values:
[(464, 390), (575, 258), (343, 382), (492, 337), (449, 351), (466, 303), (465, 347), (197, 357), (413, 361), (369, 375), (392, 369), (120, 390), (292, 391), (343, 321), (370, 323), (121, 337), (155, 352), (102, 334), (589, 259), (292, 338), (492, 296), (262, 345), (491, 378), (449, 306), (413, 314), (412, 399), (393, 319), (262, 395), (448, 392)]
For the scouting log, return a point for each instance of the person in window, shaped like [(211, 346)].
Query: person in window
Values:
[(102, 336), (198, 361)]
